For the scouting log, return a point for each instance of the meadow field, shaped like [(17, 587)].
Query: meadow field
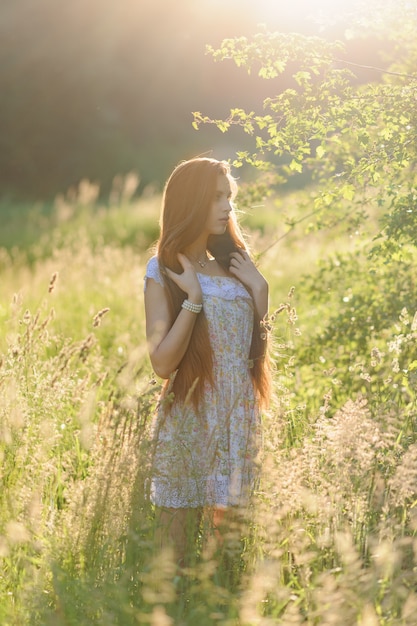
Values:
[(329, 538)]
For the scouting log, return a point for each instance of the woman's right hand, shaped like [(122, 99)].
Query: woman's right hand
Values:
[(187, 281)]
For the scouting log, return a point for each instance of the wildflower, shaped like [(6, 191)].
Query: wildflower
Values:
[(327, 399), (98, 316), (292, 315), (26, 317), (265, 324), (85, 347), (404, 317), (52, 282), (282, 307), (403, 483), (376, 357), (395, 345)]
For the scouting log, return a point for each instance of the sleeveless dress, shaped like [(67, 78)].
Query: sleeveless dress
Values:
[(210, 458)]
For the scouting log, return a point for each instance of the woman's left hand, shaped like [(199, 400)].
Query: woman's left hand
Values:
[(242, 267)]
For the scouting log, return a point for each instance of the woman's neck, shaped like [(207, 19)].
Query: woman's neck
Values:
[(197, 250)]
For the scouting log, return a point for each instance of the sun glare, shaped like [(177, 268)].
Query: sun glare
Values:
[(294, 12)]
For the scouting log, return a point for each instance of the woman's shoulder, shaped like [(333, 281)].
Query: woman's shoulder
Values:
[(153, 271)]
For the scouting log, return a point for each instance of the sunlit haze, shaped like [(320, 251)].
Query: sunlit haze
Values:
[(111, 86), (292, 14)]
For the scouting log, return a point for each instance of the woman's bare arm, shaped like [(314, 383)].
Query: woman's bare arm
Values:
[(168, 340)]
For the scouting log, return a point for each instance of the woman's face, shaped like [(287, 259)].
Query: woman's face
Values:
[(220, 209)]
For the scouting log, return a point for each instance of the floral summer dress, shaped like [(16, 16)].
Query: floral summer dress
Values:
[(210, 458)]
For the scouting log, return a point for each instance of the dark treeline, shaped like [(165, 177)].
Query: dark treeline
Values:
[(94, 88)]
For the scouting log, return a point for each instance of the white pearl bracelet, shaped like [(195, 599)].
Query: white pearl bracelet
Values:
[(190, 306)]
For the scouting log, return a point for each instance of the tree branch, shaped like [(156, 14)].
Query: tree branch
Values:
[(377, 69)]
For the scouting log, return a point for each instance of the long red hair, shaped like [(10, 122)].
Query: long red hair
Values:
[(187, 199)]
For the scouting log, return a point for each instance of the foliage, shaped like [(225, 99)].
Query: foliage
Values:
[(356, 141), (358, 309)]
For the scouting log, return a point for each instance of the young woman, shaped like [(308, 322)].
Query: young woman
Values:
[(204, 303)]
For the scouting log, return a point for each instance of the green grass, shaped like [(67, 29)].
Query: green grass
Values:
[(329, 537)]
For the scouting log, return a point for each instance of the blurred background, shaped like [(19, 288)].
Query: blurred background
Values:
[(94, 88)]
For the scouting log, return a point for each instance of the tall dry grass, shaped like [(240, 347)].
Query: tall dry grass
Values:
[(329, 538)]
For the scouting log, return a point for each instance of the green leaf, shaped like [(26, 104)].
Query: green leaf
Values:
[(348, 192), (223, 126), (267, 72), (301, 78), (295, 166)]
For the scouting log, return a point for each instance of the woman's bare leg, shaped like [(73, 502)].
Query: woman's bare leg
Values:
[(215, 524), (177, 529), (223, 528)]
